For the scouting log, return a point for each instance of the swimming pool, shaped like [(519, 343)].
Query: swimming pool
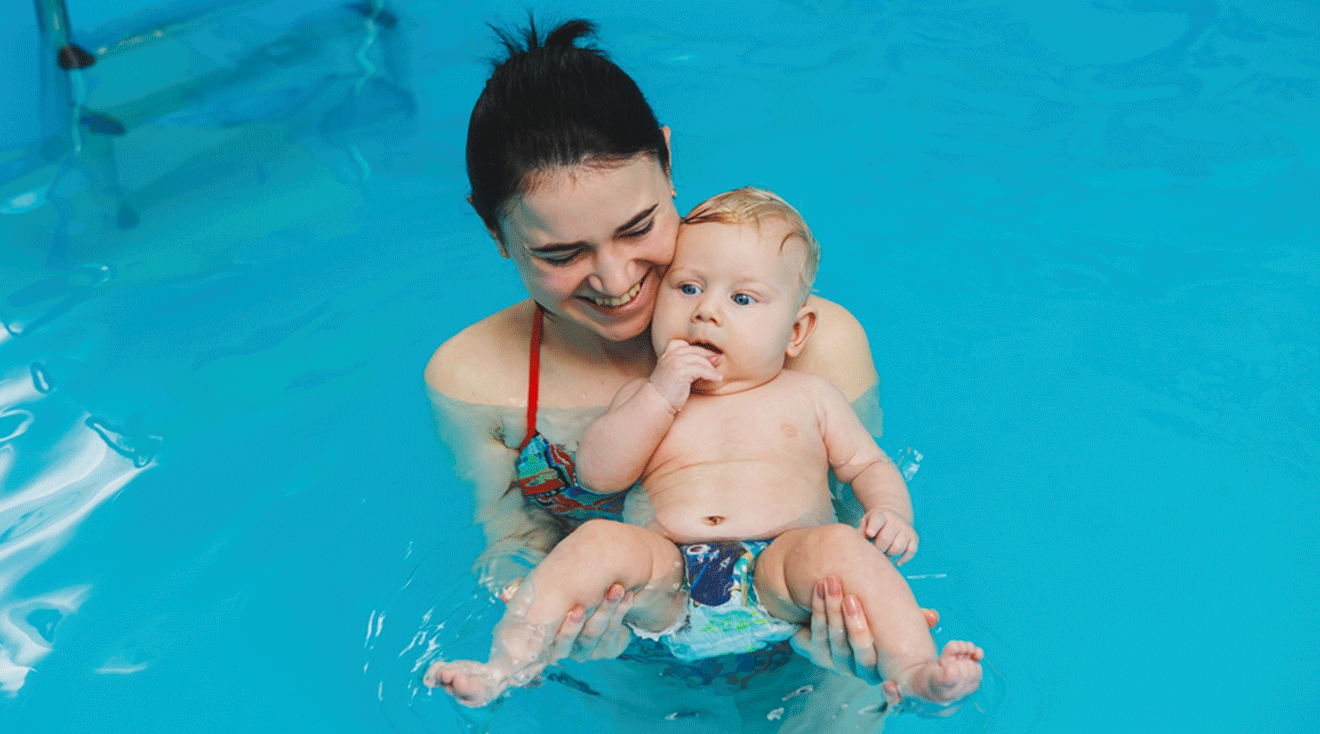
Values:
[(1079, 239)]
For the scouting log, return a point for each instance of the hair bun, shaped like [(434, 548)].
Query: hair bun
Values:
[(568, 32), (563, 37)]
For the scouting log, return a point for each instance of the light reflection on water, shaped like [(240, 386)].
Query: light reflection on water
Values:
[(56, 467)]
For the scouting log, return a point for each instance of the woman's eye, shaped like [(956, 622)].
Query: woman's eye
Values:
[(560, 258), (688, 289), (640, 231), (742, 299)]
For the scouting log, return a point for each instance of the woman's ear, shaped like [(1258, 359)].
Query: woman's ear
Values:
[(495, 235), (499, 242), (802, 328), (669, 148)]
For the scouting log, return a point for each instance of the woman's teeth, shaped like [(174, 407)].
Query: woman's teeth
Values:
[(619, 300)]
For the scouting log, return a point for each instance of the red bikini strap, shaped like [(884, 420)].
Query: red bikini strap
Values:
[(533, 375)]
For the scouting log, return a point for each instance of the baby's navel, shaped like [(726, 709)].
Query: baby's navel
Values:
[(714, 519), (788, 430)]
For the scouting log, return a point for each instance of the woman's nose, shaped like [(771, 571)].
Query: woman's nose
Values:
[(612, 272)]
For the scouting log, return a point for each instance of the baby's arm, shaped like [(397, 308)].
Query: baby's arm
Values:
[(616, 447), (875, 481)]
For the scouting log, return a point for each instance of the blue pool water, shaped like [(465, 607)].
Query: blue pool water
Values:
[(1081, 236)]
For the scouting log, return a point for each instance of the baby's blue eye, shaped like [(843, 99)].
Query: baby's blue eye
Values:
[(688, 289), (742, 299)]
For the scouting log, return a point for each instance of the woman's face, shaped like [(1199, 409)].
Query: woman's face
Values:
[(591, 243)]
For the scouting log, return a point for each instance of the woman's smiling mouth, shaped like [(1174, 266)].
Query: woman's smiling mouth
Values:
[(618, 301)]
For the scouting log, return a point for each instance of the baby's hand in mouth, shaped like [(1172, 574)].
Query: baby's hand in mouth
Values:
[(713, 353)]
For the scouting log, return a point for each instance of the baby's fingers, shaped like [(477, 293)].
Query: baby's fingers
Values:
[(672, 345), (704, 371), (908, 550), (885, 537)]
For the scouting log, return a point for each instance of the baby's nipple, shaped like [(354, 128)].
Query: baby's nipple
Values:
[(714, 519)]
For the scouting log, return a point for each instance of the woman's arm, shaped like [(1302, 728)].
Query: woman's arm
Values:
[(470, 381), (517, 535)]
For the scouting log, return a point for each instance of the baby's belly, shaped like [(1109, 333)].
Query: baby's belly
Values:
[(730, 503)]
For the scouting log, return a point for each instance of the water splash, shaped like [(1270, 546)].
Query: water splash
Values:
[(909, 461)]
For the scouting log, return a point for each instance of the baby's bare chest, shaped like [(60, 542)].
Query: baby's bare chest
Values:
[(774, 428)]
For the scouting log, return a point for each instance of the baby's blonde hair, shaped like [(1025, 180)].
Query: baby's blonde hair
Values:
[(749, 205)]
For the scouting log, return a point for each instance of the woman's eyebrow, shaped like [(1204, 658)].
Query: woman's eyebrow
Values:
[(561, 246), (637, 218)]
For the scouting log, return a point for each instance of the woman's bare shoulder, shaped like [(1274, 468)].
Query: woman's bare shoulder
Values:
[(486, 363), (838, 350)]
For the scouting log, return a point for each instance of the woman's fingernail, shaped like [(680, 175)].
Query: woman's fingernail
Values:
[(852, 605), (576, 614), (820, 589), (835, 586), (615, 592)]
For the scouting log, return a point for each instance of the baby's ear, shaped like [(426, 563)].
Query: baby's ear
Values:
[(802, 328)]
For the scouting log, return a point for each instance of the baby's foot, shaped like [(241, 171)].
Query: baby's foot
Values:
[(956, 673), (471, 683)]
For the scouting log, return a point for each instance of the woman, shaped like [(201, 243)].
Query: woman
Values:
[(570, 173)]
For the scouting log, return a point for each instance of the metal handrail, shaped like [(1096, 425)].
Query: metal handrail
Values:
[(53, 22)]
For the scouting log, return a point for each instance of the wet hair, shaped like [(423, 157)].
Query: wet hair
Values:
[(752, 206), (552, 104)]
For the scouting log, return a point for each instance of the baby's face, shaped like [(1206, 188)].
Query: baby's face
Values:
[(731, 290)]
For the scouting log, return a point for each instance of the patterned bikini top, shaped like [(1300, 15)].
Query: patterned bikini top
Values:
[(544, 472)]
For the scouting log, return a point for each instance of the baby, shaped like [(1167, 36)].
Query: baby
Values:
[(729, 445)]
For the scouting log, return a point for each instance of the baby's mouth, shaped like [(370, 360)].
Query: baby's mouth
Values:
[(617, 301), (716, 354)]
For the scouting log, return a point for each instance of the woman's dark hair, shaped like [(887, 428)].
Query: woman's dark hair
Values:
[(550, 104)]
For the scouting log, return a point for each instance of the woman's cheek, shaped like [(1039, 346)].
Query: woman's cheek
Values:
[(662, 247)]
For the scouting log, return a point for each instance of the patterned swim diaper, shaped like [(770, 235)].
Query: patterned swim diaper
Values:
[(723, 614)]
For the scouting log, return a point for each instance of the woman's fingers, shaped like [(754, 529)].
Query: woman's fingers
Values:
[(616, 635), (840, 650), (596, 628), (865, 658), (810, 641), (566, 637)]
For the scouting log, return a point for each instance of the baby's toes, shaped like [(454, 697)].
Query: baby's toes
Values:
[(432, 677), (962, 649)]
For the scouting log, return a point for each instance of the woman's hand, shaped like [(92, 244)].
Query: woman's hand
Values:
[(839, 638), (582, 637)]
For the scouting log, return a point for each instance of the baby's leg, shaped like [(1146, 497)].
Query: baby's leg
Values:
[(578, 571), (786, 577)]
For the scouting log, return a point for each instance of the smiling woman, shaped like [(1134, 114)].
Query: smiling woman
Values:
[(591, 242)]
